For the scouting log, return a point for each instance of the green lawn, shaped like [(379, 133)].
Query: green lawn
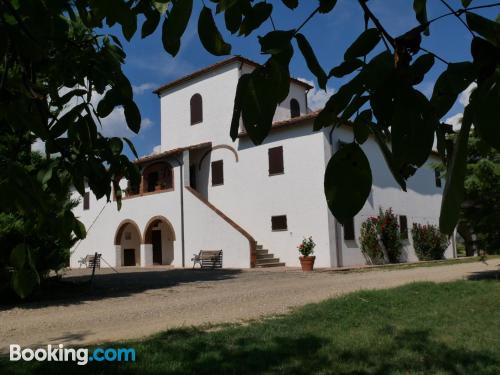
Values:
[(421, 328)]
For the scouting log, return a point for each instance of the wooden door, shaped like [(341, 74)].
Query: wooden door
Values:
[(129, 257), (156, 239)]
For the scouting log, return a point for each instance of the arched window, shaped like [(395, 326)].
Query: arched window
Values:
[(196, 109), (294, 108)]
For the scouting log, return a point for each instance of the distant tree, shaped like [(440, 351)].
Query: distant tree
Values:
[(54, 58), (480, 209)]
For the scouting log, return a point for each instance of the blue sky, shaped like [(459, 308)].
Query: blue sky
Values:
[(148, 65)]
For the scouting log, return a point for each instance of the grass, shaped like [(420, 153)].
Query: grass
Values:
[(421, 328)]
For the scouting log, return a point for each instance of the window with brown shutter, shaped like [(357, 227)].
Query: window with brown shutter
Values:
[(196, 109), (86, 201), (276, 160), (403, 227), (349, 233), (437, 176), (294, 108), (217, 173), (279, 222)]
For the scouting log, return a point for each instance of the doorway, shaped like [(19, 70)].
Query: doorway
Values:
[(129, 257), (156, 242)]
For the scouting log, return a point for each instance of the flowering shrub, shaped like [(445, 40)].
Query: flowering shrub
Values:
[(429, 242), (380, 234), (306, 247), (370, 246), (388, 228)]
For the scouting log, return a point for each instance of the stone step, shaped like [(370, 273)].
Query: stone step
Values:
[(265, 256), (266, 265), (268, 260), (259, 247), (261, 252)]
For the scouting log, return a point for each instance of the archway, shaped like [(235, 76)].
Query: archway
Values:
[(128, 242), (159, 237)]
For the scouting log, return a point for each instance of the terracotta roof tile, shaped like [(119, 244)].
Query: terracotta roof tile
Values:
[(289, 122), (171, 152), (215, 66)]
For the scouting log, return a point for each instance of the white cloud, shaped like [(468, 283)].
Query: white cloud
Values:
[(143, 87), (115, 125), (38, 146), (455, 120), (465, 95), (156, 150), (316, 98)]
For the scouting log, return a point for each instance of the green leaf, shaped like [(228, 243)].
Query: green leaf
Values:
[(233, 17), (420, 8), (455, 79), (210, 36), (276, 42), (150, 25), (421, 67), (241, 90), (486, 111), (115, 145), (18, 256), (363, 45), (354, 106), (175, 24), (131, 146), (466, 3), (454, 189), (106, 105), (348, 182), (311, 60), (292, 4), (412, 130), (129, 25), (132, 116), (347, 67), (488, 29), (255, 17), (24, 281), (79, 229), (326, 6), (362, 126)]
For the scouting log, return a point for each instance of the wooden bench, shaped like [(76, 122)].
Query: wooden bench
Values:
[(208, 259), (88, 261)]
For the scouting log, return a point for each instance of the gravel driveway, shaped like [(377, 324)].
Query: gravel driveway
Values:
[(140, 302)]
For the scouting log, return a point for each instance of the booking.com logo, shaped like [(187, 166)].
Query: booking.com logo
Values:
[(82, 356)]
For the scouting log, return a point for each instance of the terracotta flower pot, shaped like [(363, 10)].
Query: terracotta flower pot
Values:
[(307, 263)]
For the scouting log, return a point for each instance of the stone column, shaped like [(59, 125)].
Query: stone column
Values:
[(118, 255)]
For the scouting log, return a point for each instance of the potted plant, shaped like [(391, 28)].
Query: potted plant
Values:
[(306, 248)]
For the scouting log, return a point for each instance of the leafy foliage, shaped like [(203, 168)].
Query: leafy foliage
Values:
[(306, 247), (428, 241), (380, 238)]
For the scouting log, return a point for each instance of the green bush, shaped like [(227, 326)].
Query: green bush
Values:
[(386, 228), (429, 242), (370, 245)]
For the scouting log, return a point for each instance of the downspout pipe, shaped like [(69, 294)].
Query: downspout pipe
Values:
[(181, 165)]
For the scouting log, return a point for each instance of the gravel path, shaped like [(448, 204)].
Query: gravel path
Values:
[(140, 302)]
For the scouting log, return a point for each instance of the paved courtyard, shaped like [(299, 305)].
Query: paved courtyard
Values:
[(138, 302)]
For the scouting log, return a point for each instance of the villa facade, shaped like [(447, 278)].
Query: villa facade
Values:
[(203, 191)]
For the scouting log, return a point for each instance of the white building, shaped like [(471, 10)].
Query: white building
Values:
[(204, 191)]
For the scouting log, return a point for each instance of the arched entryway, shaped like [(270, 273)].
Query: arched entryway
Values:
[(128, 242), (159, 237)]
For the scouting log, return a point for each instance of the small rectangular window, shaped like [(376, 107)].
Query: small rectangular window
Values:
[(279, 222), (349, 230), (86, 201), (276, 160), (403, 227), (217, 173), (438, 178)]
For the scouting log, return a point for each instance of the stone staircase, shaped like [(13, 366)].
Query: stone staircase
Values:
[(265, 259)]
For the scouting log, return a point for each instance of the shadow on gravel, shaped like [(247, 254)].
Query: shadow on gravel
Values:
[(72, 290)]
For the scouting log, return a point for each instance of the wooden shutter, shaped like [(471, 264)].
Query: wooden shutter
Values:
[(403, 227), (276, 160), (279, 222), (217, 172), (86, 201), (349, 233), (196, 109), (294, 108), (438, 178)]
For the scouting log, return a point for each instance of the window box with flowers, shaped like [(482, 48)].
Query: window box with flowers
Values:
[(306, 249)]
